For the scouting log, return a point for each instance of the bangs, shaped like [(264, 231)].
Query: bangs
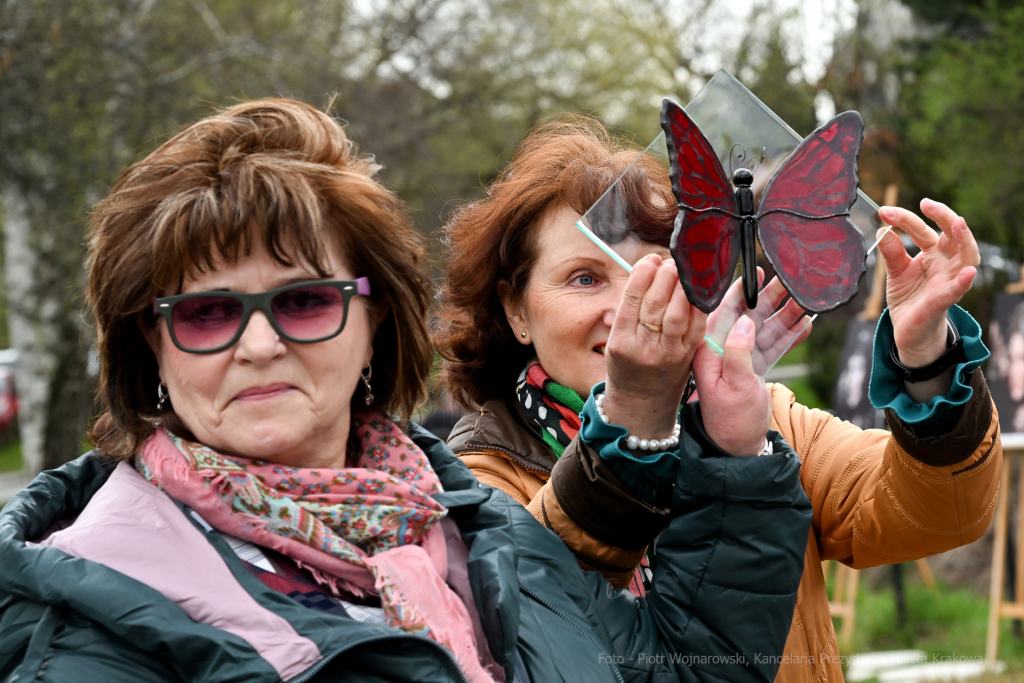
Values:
[(224, 213)]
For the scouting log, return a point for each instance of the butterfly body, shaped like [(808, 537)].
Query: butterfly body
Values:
[(802, 220), (742, 180)]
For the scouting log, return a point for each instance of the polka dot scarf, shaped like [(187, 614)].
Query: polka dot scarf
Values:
[(554, 408)]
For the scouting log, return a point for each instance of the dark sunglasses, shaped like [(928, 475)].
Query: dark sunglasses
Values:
[(305, 312)]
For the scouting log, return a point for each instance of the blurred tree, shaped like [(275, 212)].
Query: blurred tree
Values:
[(439, 90), (776, 78), (960, 18), (965, 121), (86, 86)]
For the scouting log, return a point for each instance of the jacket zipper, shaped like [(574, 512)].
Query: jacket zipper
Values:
[(513, 456), (316, 668), (589, 636)]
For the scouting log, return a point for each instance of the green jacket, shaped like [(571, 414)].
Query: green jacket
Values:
[(724, 590)]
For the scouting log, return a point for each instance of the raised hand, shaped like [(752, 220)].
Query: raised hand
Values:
[(734, 401), (776, 332), (920, 290), (650, 348)]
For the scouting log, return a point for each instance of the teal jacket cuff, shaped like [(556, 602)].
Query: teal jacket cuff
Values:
[(886, 389), (641, 472)]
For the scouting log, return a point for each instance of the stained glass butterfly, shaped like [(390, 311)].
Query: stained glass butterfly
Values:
[(802, 220)]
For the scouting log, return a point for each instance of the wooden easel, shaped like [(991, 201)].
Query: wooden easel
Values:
[(1018, 286), (843, 603), (1013, 449), (876, 299)]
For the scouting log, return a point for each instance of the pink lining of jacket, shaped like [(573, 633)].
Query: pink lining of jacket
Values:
[(134, 528)]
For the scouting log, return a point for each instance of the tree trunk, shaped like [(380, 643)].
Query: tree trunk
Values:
[(43, 273)]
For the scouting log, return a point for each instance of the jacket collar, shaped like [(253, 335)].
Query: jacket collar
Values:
[(487, 530), (484, 521), (497, 428)]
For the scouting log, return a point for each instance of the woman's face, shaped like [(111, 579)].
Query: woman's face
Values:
[(1015, 370), (265, 397), (571, 298)]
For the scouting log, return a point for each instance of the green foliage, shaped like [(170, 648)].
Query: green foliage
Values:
[(960, 16), (944, 622), (825, 346), (10, 457), (965, 123)]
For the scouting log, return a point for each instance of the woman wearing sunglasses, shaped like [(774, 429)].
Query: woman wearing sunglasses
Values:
[(259, 508), (533, 321)]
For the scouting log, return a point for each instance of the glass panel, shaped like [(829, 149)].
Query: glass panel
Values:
[(743, 133)]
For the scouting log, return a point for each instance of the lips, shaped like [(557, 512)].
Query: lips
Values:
[(599, 349), (263, 392)]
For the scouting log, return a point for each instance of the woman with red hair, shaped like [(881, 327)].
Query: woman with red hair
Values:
[(530, 322)]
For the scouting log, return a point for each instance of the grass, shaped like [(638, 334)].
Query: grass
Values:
[(10, 457), (946, 622)]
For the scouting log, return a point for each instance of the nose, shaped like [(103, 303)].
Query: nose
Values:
[(612, 301), (259, 342)]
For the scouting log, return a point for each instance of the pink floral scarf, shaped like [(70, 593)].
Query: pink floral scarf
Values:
[(368, 529)]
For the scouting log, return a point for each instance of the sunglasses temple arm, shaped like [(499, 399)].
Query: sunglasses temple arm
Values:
[(363, 286)]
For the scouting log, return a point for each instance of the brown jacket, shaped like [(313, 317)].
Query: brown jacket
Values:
[(878, 498)]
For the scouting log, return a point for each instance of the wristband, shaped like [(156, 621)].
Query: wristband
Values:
[(954, 355)]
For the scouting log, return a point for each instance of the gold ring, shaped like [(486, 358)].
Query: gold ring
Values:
[(652, 328)]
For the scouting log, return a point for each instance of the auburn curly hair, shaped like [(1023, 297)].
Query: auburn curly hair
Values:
[(568, 162), (277, 172)]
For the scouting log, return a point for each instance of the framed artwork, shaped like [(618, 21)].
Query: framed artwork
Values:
[(851, 402), (1005, 372)]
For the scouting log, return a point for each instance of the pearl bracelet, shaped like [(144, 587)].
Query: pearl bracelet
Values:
[(635, 442)]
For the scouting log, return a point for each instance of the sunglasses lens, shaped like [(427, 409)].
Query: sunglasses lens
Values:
[(206, 322), (309, 313)]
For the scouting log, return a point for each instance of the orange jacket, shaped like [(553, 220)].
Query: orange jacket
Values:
[(878, 498)]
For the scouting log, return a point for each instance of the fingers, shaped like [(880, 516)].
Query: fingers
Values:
[(768, 299), (912, 224), (733, 304), (737, 361), (721, 320), (656, 299), (677, 316), (790, 337), (698, 323), (894, 254), (956, 236), (960, 285), (637, 285), (707, 365), (779, 324), (968, 246)]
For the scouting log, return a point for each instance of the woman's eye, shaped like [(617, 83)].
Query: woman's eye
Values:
[(584, 280)]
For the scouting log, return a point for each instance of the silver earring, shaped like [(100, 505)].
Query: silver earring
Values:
[(368, 399), (161, 396)]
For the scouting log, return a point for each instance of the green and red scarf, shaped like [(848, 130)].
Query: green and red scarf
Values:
[(554, 408)]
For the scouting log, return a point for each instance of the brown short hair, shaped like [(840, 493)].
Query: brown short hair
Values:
[(277, 171), (569, 162)]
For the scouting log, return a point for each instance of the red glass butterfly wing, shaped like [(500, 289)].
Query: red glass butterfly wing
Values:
[(705, 244), (820, 260)]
